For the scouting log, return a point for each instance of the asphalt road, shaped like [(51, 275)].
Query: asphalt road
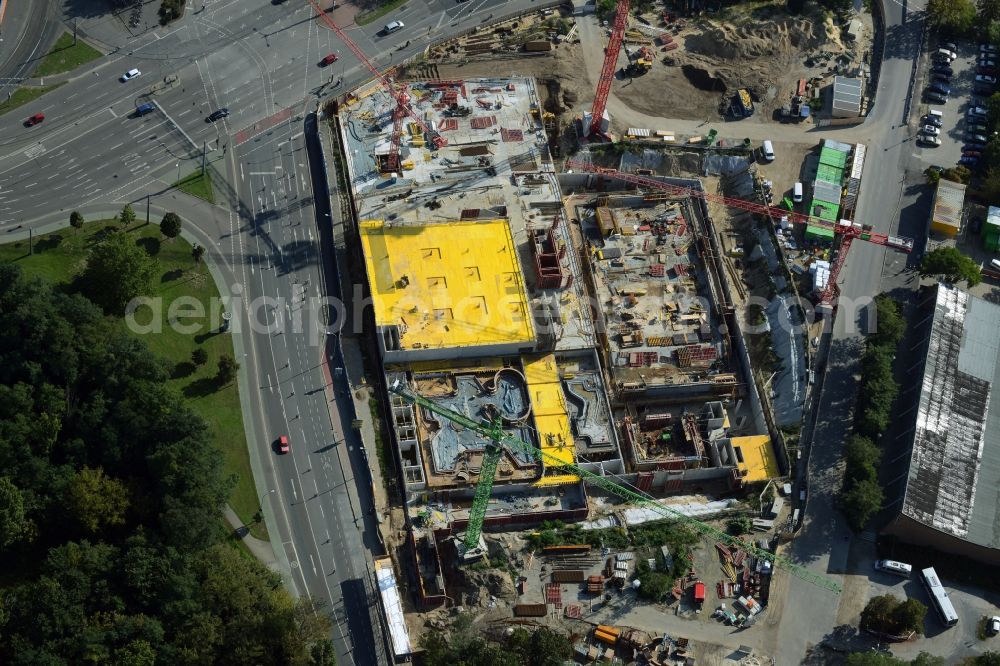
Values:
[(26, 29)]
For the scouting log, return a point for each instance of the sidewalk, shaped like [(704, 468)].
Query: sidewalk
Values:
[(262, 550)]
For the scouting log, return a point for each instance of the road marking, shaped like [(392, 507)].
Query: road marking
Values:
[(258, 173), (241, 171), (293, 490), (313, 563), (115, 115)]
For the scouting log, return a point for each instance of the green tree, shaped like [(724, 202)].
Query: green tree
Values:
[(951, 265), (925, 659), (117, 271), (989, 11), (322, 653), (877, 613), (909, 616), (14, 523), (76, 220), (862, 457), (957, 174), (861, 501), (197, 252), (136, 653), (870, 658), (199, 356), (170, 225), (227, 369), (993, 33), (542, 647), (127, 217), (739, 525), (951, 16), (98, 500), (991, 181), (889, 324)]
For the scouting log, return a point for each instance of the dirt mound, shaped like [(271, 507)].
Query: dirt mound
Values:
[(768, 39), (484, 588)]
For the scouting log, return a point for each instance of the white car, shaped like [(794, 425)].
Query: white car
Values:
[(930, 130), (987, 61), (993, 626), (976, 111), (130, 74), (982, 78), (393, 26), (932, 141)]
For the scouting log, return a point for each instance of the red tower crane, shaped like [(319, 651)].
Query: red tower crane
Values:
[(610, 65), (847, 229), (402, 108)]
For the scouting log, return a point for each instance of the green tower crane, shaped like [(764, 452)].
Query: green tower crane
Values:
[(498, 439)]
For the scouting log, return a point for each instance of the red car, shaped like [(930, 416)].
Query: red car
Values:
[(328, 60), (283, 444), (34, 120), (971, 153)]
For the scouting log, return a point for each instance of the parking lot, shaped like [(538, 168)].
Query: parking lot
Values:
[(965, 93)]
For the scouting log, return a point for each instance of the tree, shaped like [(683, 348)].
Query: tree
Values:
[(993, 110), (227, 369), (989, 11), (993, 33), (957, 174), (877, 612), (322, 653), (127, 217), (76, 220), (951, 16), (739, 525), (951, 265), (117, 271), (98, 500), (14, 524), (909, 616), (873, 659), (170, 225), (862, 457), (199, 356), (197, 252), (889, 324), (991, 182), (862, 501)]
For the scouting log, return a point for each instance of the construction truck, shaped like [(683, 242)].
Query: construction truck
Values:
[(742, 104), (641, 62)]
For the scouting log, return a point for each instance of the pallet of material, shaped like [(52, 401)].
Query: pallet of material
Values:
[(671, 46), (571, 576), (538, 45), (530, 610), (567, 549)]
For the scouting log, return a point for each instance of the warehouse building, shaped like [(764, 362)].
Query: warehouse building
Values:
[(950, 497)]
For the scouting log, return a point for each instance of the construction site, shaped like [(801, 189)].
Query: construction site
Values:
[(582, 435)]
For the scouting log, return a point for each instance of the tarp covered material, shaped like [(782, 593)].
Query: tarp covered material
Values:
[(676, 505), (824, 191), (392, 604), (831, 157), (825, 210), (830, 174), (814, 232)]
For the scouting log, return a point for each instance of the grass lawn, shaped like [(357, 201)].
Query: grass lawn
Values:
[(364, 18), (197, 184), (65, 57), (59, 256), (23, 95)]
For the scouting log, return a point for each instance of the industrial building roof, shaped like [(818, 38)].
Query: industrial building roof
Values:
[(846, 96), (955, 460), (447, 285), (949, 199), (825, 191)]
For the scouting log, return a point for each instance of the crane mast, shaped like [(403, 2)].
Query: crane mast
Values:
[(495, 433), (609, 67)]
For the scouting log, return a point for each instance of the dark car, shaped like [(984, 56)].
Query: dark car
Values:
[(143, 109), (937, 86), (329, 59), (982, 89), (932, 120), (942, 69), (969, 161), (34, 120), (934, 96), (218, 114), (949, 45), (988, 71), (971, 153), (941, 78)]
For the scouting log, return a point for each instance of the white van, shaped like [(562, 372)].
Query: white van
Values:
[(797, 193), (892, 566), (995, 264), (935, 113), (768, 151)]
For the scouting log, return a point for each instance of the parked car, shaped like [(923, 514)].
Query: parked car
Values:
[(949, 45), (937, 86), (283, 446), (969, 161), (982, 78), (932, 120), (218, 114), (941, 78), (982, 88), (143, 109), (971, 137), (943, 69), (972, 153), (329, 59), (979, 129), (976, 112), (130, 74), (993, 626), (34, 120), (934, 96), (987, 62), (931, 141), (946, 53), (988, 48), (990, 71), (930, 130)]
